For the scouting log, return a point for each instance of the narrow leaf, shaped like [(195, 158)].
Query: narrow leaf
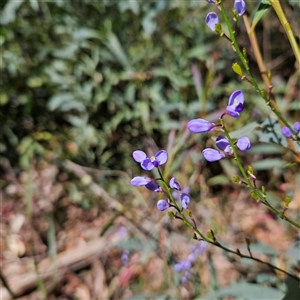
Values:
[(262, 9)]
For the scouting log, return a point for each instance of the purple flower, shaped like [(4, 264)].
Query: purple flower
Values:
[(140, 180), (223, 144), (182, 265), (186, 265), (235, 103), (286, 132), (244, 143), (125, 257), (185, 200), (297, 127), (200, 125), (199, 248), (176, 195), (211, 1), (162, 205), (174, 184), (149, 163), (192, 257), (185, 278), (212, 20), (212, 154), (240, 7), (153, 186)]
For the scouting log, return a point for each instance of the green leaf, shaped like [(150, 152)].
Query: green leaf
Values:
[(293, 289), (245, 290), (270, 132), (262, 9), (176, 80), (265, 149), (85, 33), (219, 179), (134, 244), (9, 11), (57, 100), (268, 164), (244, 131), (115, 46)]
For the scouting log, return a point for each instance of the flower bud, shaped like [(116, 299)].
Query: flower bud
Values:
[(243, 143), (286, 132), (237, 69), (212, 154), (162, 205), (297, 127), (236, 179), (200, 126)]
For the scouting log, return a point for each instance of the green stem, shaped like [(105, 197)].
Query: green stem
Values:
[(257, 192), (216, 243), (262, 93)]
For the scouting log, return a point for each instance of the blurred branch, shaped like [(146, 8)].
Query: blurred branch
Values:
[(264, 74), (288, 30)]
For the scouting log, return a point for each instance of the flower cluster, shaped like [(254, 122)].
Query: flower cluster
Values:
[(186, 265), (148, 164), (212, 19), (288, 133), (234, 107)]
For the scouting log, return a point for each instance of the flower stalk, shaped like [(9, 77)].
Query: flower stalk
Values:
[(247, 68)]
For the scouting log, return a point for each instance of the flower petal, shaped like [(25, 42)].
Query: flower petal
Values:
[(240, 7), (236, 97), (174, 184), (140, 180), (211, 20), (222, 143), (185, 200), (161, 157), (200, 125), (286, 132), (297, 127), (231, 111), (212, 154), (147, 164), (243, 143), (139, 155), (162, 205), (153, 186)]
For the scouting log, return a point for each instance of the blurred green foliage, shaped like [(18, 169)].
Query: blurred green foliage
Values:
[(85, 79), (91, 80)]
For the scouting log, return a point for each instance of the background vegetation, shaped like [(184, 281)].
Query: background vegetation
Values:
[(83, 85)]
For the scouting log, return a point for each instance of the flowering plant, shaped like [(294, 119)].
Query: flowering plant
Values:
[(229, 147)]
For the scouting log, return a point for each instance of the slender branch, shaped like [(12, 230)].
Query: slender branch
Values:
[(244, 61), (249, 184), (214, 241), (255, 259), (263, 71), (288, 30)]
